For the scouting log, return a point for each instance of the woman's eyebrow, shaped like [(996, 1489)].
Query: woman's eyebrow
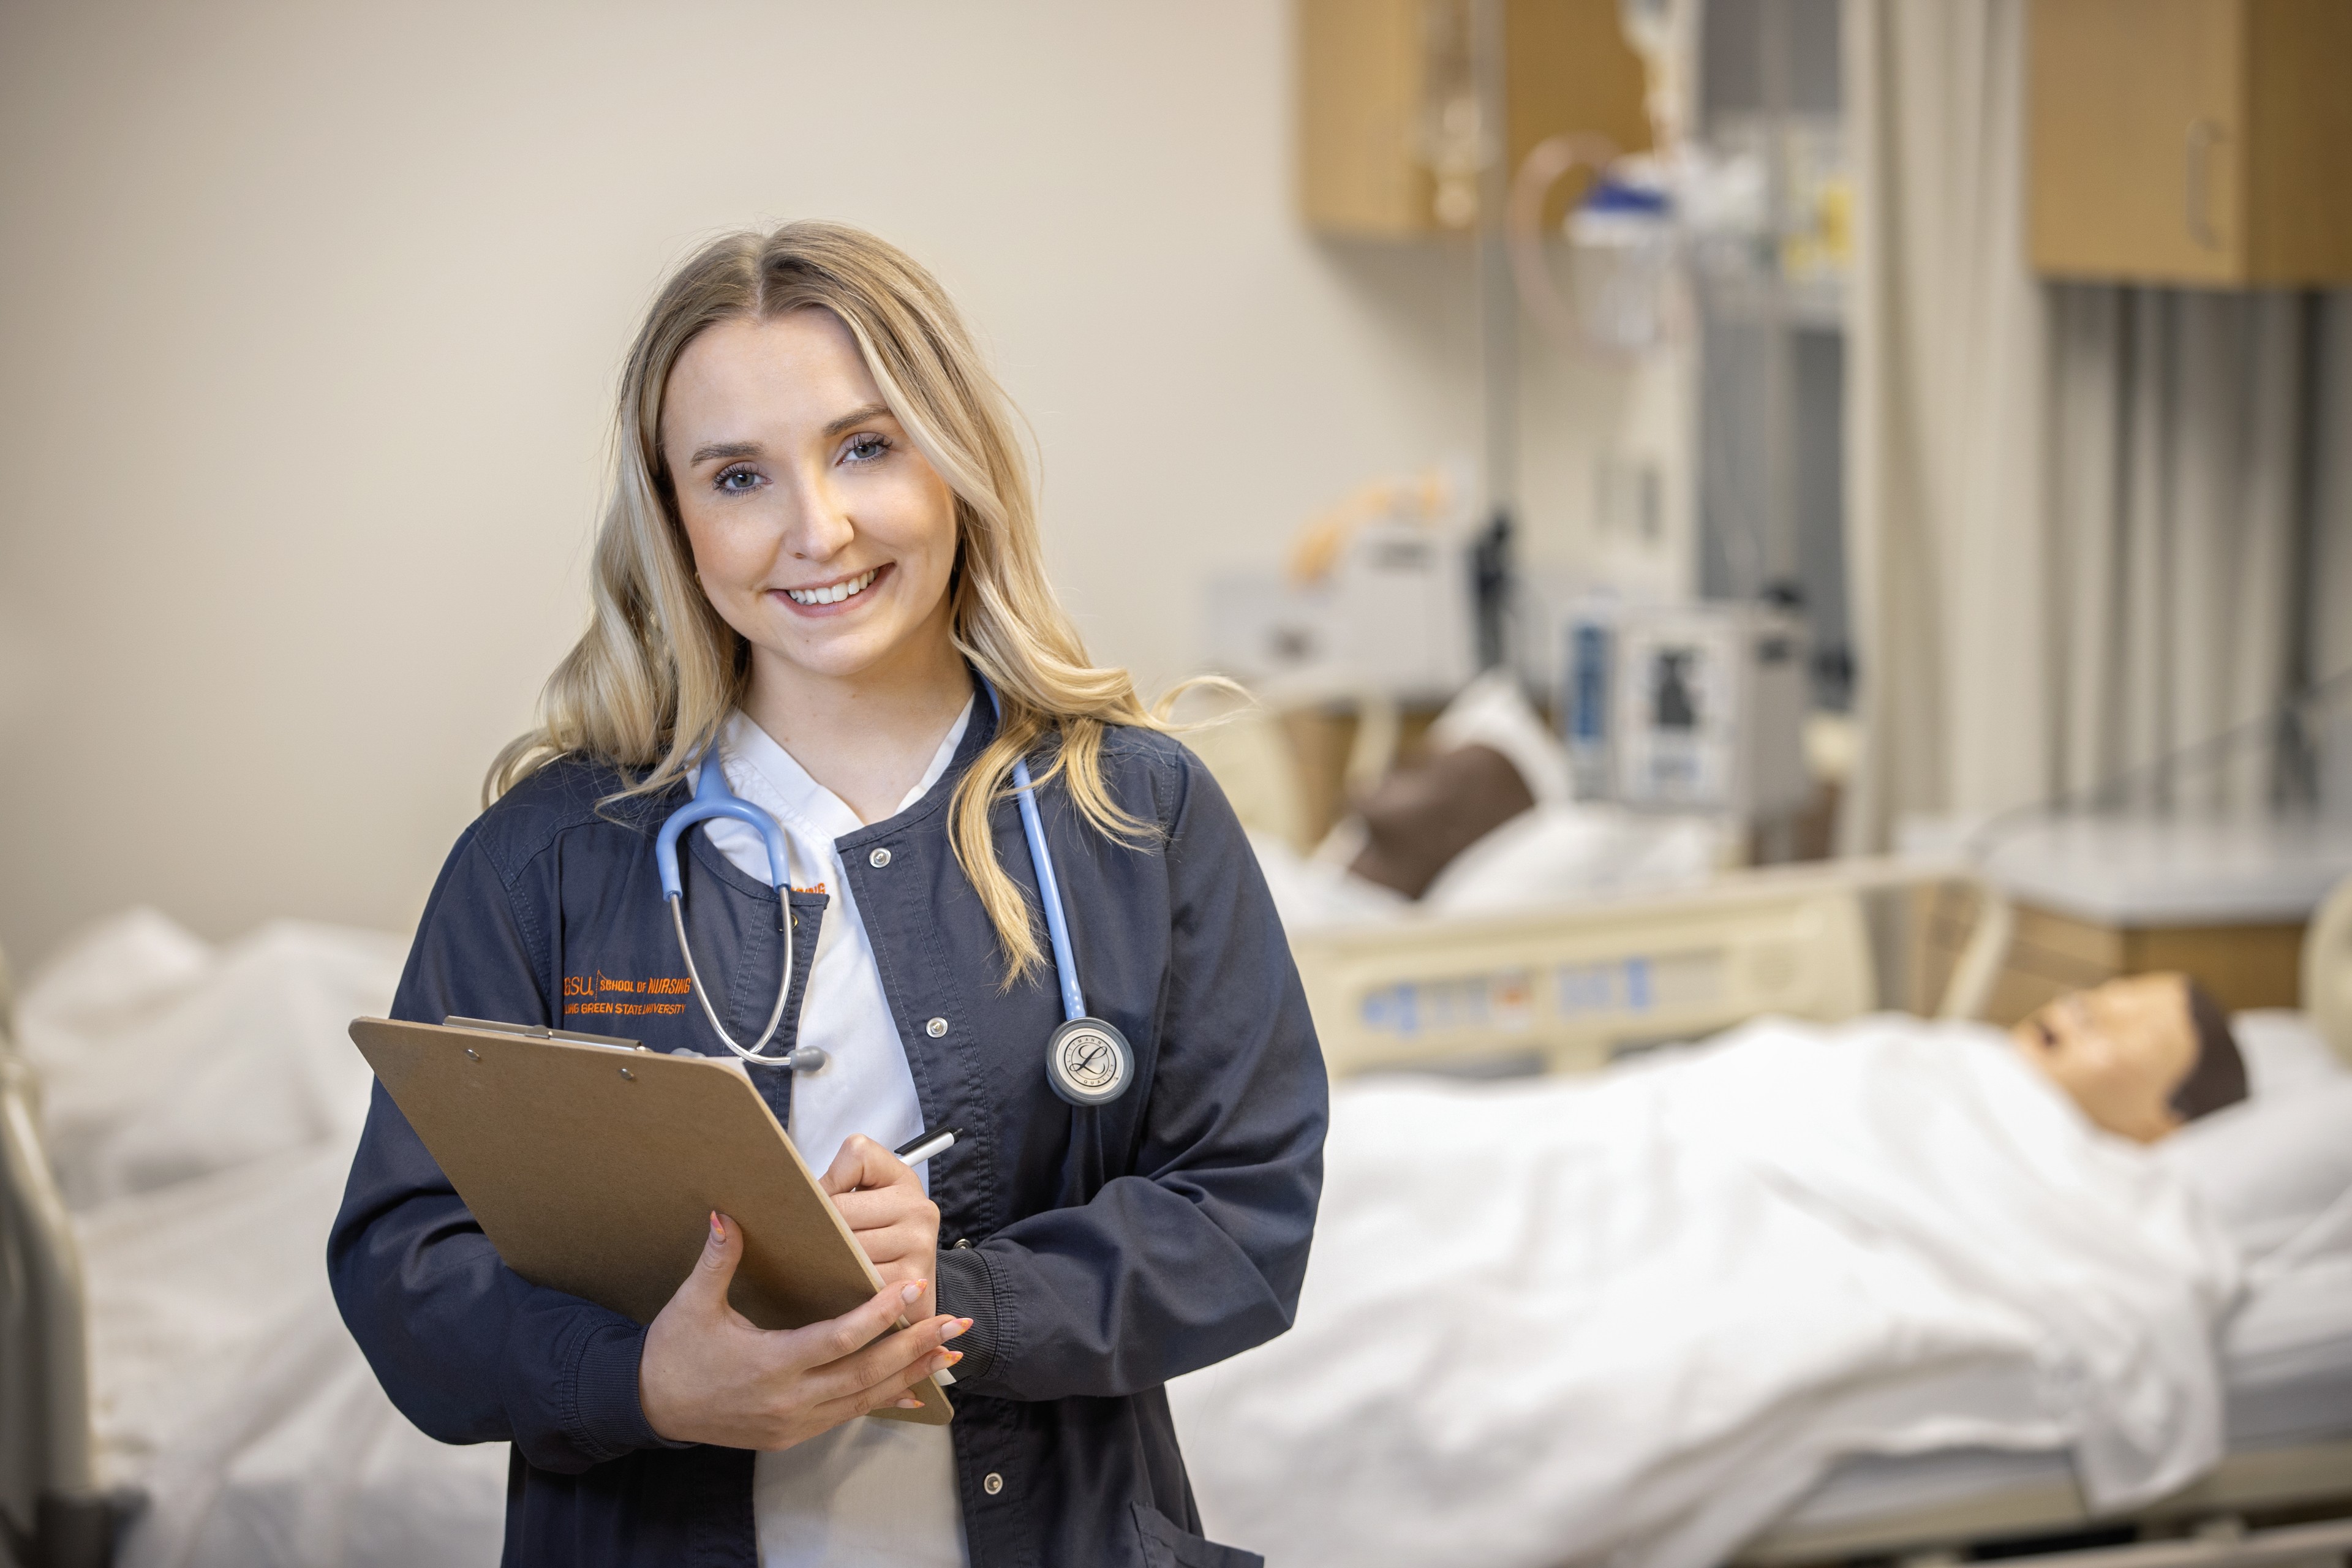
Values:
[(727, 451), (858, 416)]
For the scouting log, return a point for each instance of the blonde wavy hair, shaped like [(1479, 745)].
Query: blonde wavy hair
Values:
[(654, 677)]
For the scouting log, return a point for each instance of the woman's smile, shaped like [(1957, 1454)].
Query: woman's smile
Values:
[(836, 597)]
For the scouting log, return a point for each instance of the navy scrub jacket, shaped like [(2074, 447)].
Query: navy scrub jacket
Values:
[(1099, 1252)]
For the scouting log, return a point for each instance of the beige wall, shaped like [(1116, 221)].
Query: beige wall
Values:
[(310, 314)]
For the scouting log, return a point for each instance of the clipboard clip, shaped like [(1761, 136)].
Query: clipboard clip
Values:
[(541, 1032)]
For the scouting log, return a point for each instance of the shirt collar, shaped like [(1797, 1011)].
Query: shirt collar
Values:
[(765, 773)]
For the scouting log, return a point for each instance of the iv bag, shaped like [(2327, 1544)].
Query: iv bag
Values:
[(1621, 250)]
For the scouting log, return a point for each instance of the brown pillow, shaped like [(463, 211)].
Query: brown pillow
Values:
[(1419, 817)]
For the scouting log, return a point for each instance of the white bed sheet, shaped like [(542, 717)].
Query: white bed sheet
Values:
[(2287, 1374), (1635, 1318), (2277, 1174), (202, 1104)]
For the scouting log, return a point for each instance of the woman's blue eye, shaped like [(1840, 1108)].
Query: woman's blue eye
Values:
[(737, 481), (864, 448)]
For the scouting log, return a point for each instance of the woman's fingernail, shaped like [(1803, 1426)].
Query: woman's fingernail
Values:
[(913, 1292), (954, 1328), (910, 1404), (717, 1229), (953, 1356)]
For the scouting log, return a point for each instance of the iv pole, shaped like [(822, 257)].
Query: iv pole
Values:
[(1498, 360)]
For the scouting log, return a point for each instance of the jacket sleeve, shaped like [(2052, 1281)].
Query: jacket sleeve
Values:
[(1199, 1254), (470, 1350)]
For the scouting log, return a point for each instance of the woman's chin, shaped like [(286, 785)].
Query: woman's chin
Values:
[(840, 649)]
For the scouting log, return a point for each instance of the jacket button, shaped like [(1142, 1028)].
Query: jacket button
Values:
[(964, 1241), (992, 1483), (879, 858), (936, 1027)]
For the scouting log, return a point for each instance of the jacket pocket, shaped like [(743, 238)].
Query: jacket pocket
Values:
[(1167, 1546)]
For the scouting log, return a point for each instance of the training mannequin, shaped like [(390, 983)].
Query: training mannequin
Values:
[(2142, 1054)]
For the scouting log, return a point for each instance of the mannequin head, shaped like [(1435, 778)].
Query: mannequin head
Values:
[(2141, 1055)]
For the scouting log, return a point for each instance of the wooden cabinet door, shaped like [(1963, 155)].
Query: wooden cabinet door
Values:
[(1375, 75), (2139, 139), (1362, 100)]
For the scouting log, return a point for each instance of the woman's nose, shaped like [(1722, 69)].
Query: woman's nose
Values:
[(820, 526)]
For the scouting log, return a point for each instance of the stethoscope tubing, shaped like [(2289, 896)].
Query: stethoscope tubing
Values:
[(713, 798), (1049, 889), (750, 1053)]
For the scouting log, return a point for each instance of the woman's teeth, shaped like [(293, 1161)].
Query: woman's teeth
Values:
[(831, 595)]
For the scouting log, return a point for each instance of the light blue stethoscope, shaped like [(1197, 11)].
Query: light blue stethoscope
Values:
[(1088, 1060)]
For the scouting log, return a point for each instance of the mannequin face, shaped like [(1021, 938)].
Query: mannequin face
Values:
[(819, 531), (2120, 1050)]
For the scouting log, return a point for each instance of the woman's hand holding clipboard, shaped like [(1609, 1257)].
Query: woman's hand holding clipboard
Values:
[(712, 1375), (663, 1188)]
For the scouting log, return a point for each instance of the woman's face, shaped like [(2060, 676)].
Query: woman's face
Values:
[(2121, 1050), (819, 531)]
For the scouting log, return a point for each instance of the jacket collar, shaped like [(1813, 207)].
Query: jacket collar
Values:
[(977, 734)]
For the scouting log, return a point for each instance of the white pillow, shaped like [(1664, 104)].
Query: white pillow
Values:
[(162, 1060), (1565, 851), (2284, 1052), (1493, 712), (2269, 1167), (1310, 894)]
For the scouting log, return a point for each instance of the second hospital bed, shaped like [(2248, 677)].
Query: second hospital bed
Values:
[(1572, 989)]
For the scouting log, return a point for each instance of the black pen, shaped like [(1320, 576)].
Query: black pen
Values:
[(923, 1145)]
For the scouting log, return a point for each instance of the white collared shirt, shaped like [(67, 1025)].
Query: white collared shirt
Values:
[(867, 1492)]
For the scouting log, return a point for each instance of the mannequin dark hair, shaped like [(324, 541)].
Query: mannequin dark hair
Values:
[(2219, 1078)]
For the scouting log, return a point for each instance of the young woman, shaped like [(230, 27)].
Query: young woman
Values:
[(820, 576)]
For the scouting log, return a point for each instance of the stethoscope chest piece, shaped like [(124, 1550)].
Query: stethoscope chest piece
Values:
[(1088, 1062)]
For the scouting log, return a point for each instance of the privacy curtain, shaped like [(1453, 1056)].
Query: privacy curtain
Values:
[(2088, 524)]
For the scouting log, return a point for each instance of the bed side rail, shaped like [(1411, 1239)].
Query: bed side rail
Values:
[(2299, 1496), (1569, 988), (54, 1516)]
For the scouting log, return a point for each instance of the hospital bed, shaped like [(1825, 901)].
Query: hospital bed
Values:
[(1572, 989), (1565, 989)]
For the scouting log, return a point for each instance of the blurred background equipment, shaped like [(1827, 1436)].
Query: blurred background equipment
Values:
[(1379, 595), (1687, 708)]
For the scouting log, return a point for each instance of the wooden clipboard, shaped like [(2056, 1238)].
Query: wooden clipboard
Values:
[(594, 1169)]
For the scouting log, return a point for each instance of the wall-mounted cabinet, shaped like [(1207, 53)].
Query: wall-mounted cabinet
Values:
[(1389, 140), (2193, 141)]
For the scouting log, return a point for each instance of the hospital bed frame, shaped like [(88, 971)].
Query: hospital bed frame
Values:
[(52, 1514), (1573, 988)]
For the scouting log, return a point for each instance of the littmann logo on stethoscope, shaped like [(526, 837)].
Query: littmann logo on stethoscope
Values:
[(1090, 1060)]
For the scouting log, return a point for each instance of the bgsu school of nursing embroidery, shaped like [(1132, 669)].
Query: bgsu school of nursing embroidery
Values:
[(601, 992)]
